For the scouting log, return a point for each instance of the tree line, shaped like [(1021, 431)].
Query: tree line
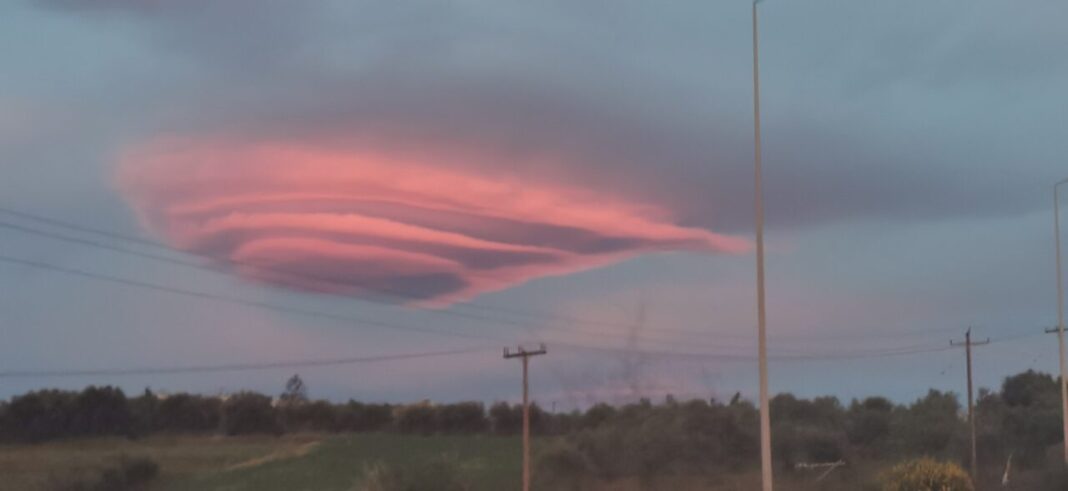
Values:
[(714, 438), (50, 414), (1021, 418)]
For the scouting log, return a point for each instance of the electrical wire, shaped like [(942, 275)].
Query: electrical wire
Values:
[(880, 352), (643, 336), (226, 298), (396, 295), (149, 243), (234, 367)]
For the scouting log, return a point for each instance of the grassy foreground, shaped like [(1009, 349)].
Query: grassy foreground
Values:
[(289, 463), (34, 467), (337, 464)]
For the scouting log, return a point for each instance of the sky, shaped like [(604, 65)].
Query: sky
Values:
[(199, 183)]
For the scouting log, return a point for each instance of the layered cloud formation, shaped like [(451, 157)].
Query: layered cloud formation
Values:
[(430, 226)]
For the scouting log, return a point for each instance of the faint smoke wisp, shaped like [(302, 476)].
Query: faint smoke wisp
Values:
[(439, 226)]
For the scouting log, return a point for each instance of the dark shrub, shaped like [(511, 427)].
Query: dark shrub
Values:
[(101, 411), (561, 467), (416, 418), (310, 416), (505, 418), (185, 412), (39, 415), (249, 412), (357, 416), (128, 474), (444, 473), (463, 417)]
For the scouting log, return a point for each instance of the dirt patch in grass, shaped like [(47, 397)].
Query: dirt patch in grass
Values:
[(283, 454)]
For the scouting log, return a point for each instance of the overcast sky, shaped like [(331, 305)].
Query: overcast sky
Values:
[(469, 174)]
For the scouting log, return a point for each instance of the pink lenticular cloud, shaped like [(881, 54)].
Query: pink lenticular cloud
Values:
[(432, 227)]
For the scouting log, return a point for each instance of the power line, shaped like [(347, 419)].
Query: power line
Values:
[(859, 354), (201, 295), (217, 270), (204, 267), (236, 366), (906, 350), (233, 367), (301, 311), (388, 292), (299, 275), (698, 356), (258, 304), (149, 243), (224, 298)]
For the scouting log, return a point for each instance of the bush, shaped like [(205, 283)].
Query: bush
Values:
[(380, 477), (505, 418), (1054, 477), (416, 418), (646, 442), (925, 475), (247, 412), (357, 416), (463, 417), (931, 426), (187, 412), (309, 416), (129, 474), (444, 473), (562, 467), (39, 415)]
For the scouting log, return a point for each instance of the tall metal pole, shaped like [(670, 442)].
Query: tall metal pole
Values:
[(1060, 316), (762, 337)]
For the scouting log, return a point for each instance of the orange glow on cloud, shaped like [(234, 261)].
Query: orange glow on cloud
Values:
[(430, 226)]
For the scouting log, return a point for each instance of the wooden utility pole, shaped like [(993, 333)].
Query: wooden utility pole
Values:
[(971, 405), (525, 354)]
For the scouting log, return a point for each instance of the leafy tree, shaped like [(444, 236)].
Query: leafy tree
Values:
[(1026, 418), (101, 411), (310, 416), (932, 425), (187, 412), (357, 416), (39, 415), (868, 422), (463, 417), (417, 418), (1030, 389), (143, 410), (296, 391), (823, 412), (506, 418), (249, 412)]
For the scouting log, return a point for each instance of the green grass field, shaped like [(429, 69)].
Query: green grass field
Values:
[(337, 464), (34, 467), (290, 463)]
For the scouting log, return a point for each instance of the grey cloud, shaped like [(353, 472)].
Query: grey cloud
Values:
[(650, 101)]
